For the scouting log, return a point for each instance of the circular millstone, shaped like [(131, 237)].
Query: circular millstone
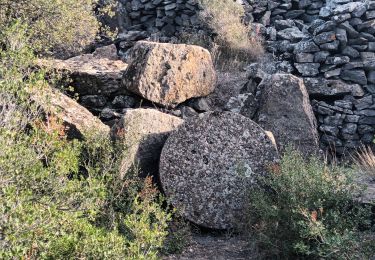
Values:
[(208, 166)]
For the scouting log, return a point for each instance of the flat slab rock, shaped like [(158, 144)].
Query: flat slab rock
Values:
[(92, 74), (168, 74), (78, 121), (209, 164)]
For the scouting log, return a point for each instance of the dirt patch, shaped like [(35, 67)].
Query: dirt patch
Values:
[(216, 247)]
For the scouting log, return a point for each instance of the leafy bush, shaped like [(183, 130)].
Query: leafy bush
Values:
[(309, 210), (179, 235), (60, 198), (235, 44), (54, 194), (61, 28)]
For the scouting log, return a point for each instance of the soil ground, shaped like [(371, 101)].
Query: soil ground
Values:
[(215, 247)]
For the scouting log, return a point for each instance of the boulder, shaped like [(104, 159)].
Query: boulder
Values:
[(143, 133), (169, 74), (76, 119), (208, 166), (92, 74), (285, 110)]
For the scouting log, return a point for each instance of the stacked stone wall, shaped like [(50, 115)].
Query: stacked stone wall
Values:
[(166, 18), (331, 45)]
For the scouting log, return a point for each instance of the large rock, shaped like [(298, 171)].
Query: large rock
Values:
[(285, 110), (209, 164), (77, 120), (143, 133), (99, 73), (169, 74), (322, 88)]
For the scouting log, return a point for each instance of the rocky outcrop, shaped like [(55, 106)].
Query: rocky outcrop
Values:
[(142, 133), (280, 104), (96, 80), (330, 44), (209, 164), (76, 119), (98, 73), (284, 109), (169, 74)]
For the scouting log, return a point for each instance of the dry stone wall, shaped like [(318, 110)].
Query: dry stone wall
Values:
[(331, 45), (159, 19), (166, 16)]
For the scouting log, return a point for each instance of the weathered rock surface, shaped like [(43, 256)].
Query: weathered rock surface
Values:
[(143, 133), (228, 84), (285, 110), (169, 74), (322, 88), (317, 40), (208, 165), (98, 73), (78, 121)]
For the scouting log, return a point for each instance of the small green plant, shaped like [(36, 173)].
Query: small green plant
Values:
[(309, 210), (179, 236)]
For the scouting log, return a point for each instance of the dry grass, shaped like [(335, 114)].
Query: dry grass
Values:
[(365, 160), (234, 44)]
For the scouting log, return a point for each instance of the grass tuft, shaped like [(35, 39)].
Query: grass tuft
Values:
[(365, 160), (234, 44)]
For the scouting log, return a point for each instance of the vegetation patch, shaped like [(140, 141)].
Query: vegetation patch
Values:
[(54, 27), (310, 210), (234, 43), (61, 198)]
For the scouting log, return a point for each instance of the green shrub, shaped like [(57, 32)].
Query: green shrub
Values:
[(179, 235), (234, 43), (309, 210), (54, 194), (60, 198), (54, 27)]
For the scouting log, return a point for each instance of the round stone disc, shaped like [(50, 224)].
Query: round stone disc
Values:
[(209, 164)]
